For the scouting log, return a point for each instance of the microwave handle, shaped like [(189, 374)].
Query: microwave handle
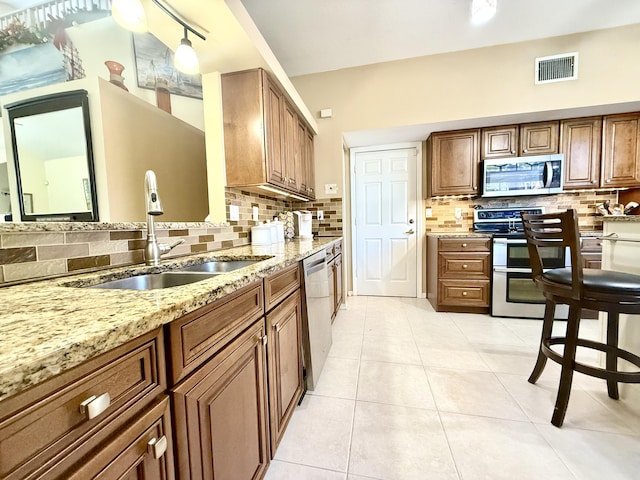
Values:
[(547, 176)]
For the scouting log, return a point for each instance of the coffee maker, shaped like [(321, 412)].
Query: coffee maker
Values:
[(302, 224)]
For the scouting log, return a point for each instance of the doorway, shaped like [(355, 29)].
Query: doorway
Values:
[(385, 221)]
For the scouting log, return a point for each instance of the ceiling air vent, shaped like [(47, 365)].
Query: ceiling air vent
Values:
[(557, 68)]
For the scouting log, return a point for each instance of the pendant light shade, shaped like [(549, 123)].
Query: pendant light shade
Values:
[(185, 58), (130, 15), (483, 10)]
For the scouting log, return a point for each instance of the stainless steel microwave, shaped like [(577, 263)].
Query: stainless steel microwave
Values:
[(535, 175)]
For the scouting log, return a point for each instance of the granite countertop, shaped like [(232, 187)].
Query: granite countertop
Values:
[(50, 326), (457, 234), (621, 218)]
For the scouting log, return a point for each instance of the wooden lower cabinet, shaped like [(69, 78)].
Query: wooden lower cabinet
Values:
[(221, 415), (459, 273), (284, 346)]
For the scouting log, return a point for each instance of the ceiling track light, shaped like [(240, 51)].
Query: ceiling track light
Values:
[(129, 14)]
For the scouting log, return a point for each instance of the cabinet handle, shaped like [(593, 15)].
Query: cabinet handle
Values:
[(285, 179), (464, 265), (264, 339), (464, 245), (525, 150), (593, 181), (278, 327), (94, 406), (608, 180), (464, 294), (513, 152), (157, 447)]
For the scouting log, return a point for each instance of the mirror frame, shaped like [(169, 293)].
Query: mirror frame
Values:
[(46, 104)]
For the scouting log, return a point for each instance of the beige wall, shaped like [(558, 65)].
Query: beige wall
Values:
[(139, 136), (471, 84)]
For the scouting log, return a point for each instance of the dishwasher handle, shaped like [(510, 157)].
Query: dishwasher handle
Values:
[(316, 267)]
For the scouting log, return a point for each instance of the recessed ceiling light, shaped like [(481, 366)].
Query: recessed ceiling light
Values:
[(482, 10)]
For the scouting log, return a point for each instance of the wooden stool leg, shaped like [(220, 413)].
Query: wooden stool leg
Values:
[(568, 363), (611, 358), (547, 327)]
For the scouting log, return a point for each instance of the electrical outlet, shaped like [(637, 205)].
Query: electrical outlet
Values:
[(320, 214), (330, 188), (234, 212), (255, 214), (428, 212), (458, 213)]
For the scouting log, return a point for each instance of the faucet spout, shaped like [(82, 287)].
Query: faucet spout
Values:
[(154, 250)]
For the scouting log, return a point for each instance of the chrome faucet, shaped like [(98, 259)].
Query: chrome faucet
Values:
[(154, 250)]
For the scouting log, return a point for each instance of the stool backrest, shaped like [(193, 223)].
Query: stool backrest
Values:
[(554, 230)]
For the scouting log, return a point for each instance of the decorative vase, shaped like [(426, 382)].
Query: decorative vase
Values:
[(163, 96), (115, 73)]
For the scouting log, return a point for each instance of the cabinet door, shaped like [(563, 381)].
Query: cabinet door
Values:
[(339, 292), (332, 286), (310, 165), (621, 157), (220, 414), (580, 141), (498, 142), (290, 122), (454, 158), (301, 157), (539, 138), (273, 107), (284, 346)]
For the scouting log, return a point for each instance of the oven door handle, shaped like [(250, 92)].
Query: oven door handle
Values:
[(511, 270), (509, 240)]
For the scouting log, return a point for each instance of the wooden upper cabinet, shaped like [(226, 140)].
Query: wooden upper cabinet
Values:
[(309, 165), (453, 160), (499, 142), (580, 142), (261, 140), (539, 138), (621, 150)]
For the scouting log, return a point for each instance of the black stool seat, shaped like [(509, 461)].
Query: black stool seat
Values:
[(605, 281), (578, 287)]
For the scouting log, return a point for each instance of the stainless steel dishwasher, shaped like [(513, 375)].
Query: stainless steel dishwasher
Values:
[(316, 317)]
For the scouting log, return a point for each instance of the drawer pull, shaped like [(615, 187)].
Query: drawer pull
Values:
[(464, 294), (278, 327), (157, 447), (464, 265), (94, 406), (464, 245)]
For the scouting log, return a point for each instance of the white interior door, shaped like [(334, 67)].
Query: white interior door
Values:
[(385, 222)]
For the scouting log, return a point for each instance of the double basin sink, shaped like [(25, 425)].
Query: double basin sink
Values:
[(174, 278)]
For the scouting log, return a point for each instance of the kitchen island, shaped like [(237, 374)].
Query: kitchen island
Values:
[(621, 252)]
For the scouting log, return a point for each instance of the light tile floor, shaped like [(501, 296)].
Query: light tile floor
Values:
[(408, 393)]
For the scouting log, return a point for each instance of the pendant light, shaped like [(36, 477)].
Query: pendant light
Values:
[(130, 15), (483, 10), (185, 58)]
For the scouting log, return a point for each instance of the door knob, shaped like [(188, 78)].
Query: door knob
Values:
[(411, 220), (410, 231)]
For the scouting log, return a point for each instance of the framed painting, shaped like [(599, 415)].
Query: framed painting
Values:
[(26, 67), (154, 60)]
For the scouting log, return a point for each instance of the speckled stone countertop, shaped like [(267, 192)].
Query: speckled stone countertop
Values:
[(13, 227), (50, 326), (621, 218), (457, 234)]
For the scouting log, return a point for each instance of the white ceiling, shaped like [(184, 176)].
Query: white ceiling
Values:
[(309, 36)]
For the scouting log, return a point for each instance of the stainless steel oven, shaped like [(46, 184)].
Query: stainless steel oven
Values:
[(514, 292)]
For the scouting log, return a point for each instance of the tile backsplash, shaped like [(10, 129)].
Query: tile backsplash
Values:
[(34, 251), (443, 209)]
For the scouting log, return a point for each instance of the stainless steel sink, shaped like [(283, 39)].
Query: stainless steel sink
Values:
[(218, 267), (153, 281)]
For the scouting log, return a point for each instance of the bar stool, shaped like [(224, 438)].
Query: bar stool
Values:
[(600, 290)]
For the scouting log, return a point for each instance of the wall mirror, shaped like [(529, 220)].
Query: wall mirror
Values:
[(53, 157)]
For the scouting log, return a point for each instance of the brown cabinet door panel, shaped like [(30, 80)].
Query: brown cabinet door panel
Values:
[(273, 131), (539, 138), (460, 292), (580, 142), (339, 291), (456, 265), (284, 331), (220, 413), (454, 159), (290, 123), (464, 244), (44, 428), (621, 151), (499, 142)]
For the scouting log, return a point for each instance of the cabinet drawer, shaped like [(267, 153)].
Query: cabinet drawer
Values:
[(464, 292), (592, 260), (128, 455), (44, 427), (590, 244), (279, 285), (456, 265), (464, 244), (337, 248), (198, 335)]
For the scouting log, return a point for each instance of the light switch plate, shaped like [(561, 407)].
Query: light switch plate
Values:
[(320, 214), (234, 212), (428, 212), (458, 213), (255, 213), (330, 188)]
